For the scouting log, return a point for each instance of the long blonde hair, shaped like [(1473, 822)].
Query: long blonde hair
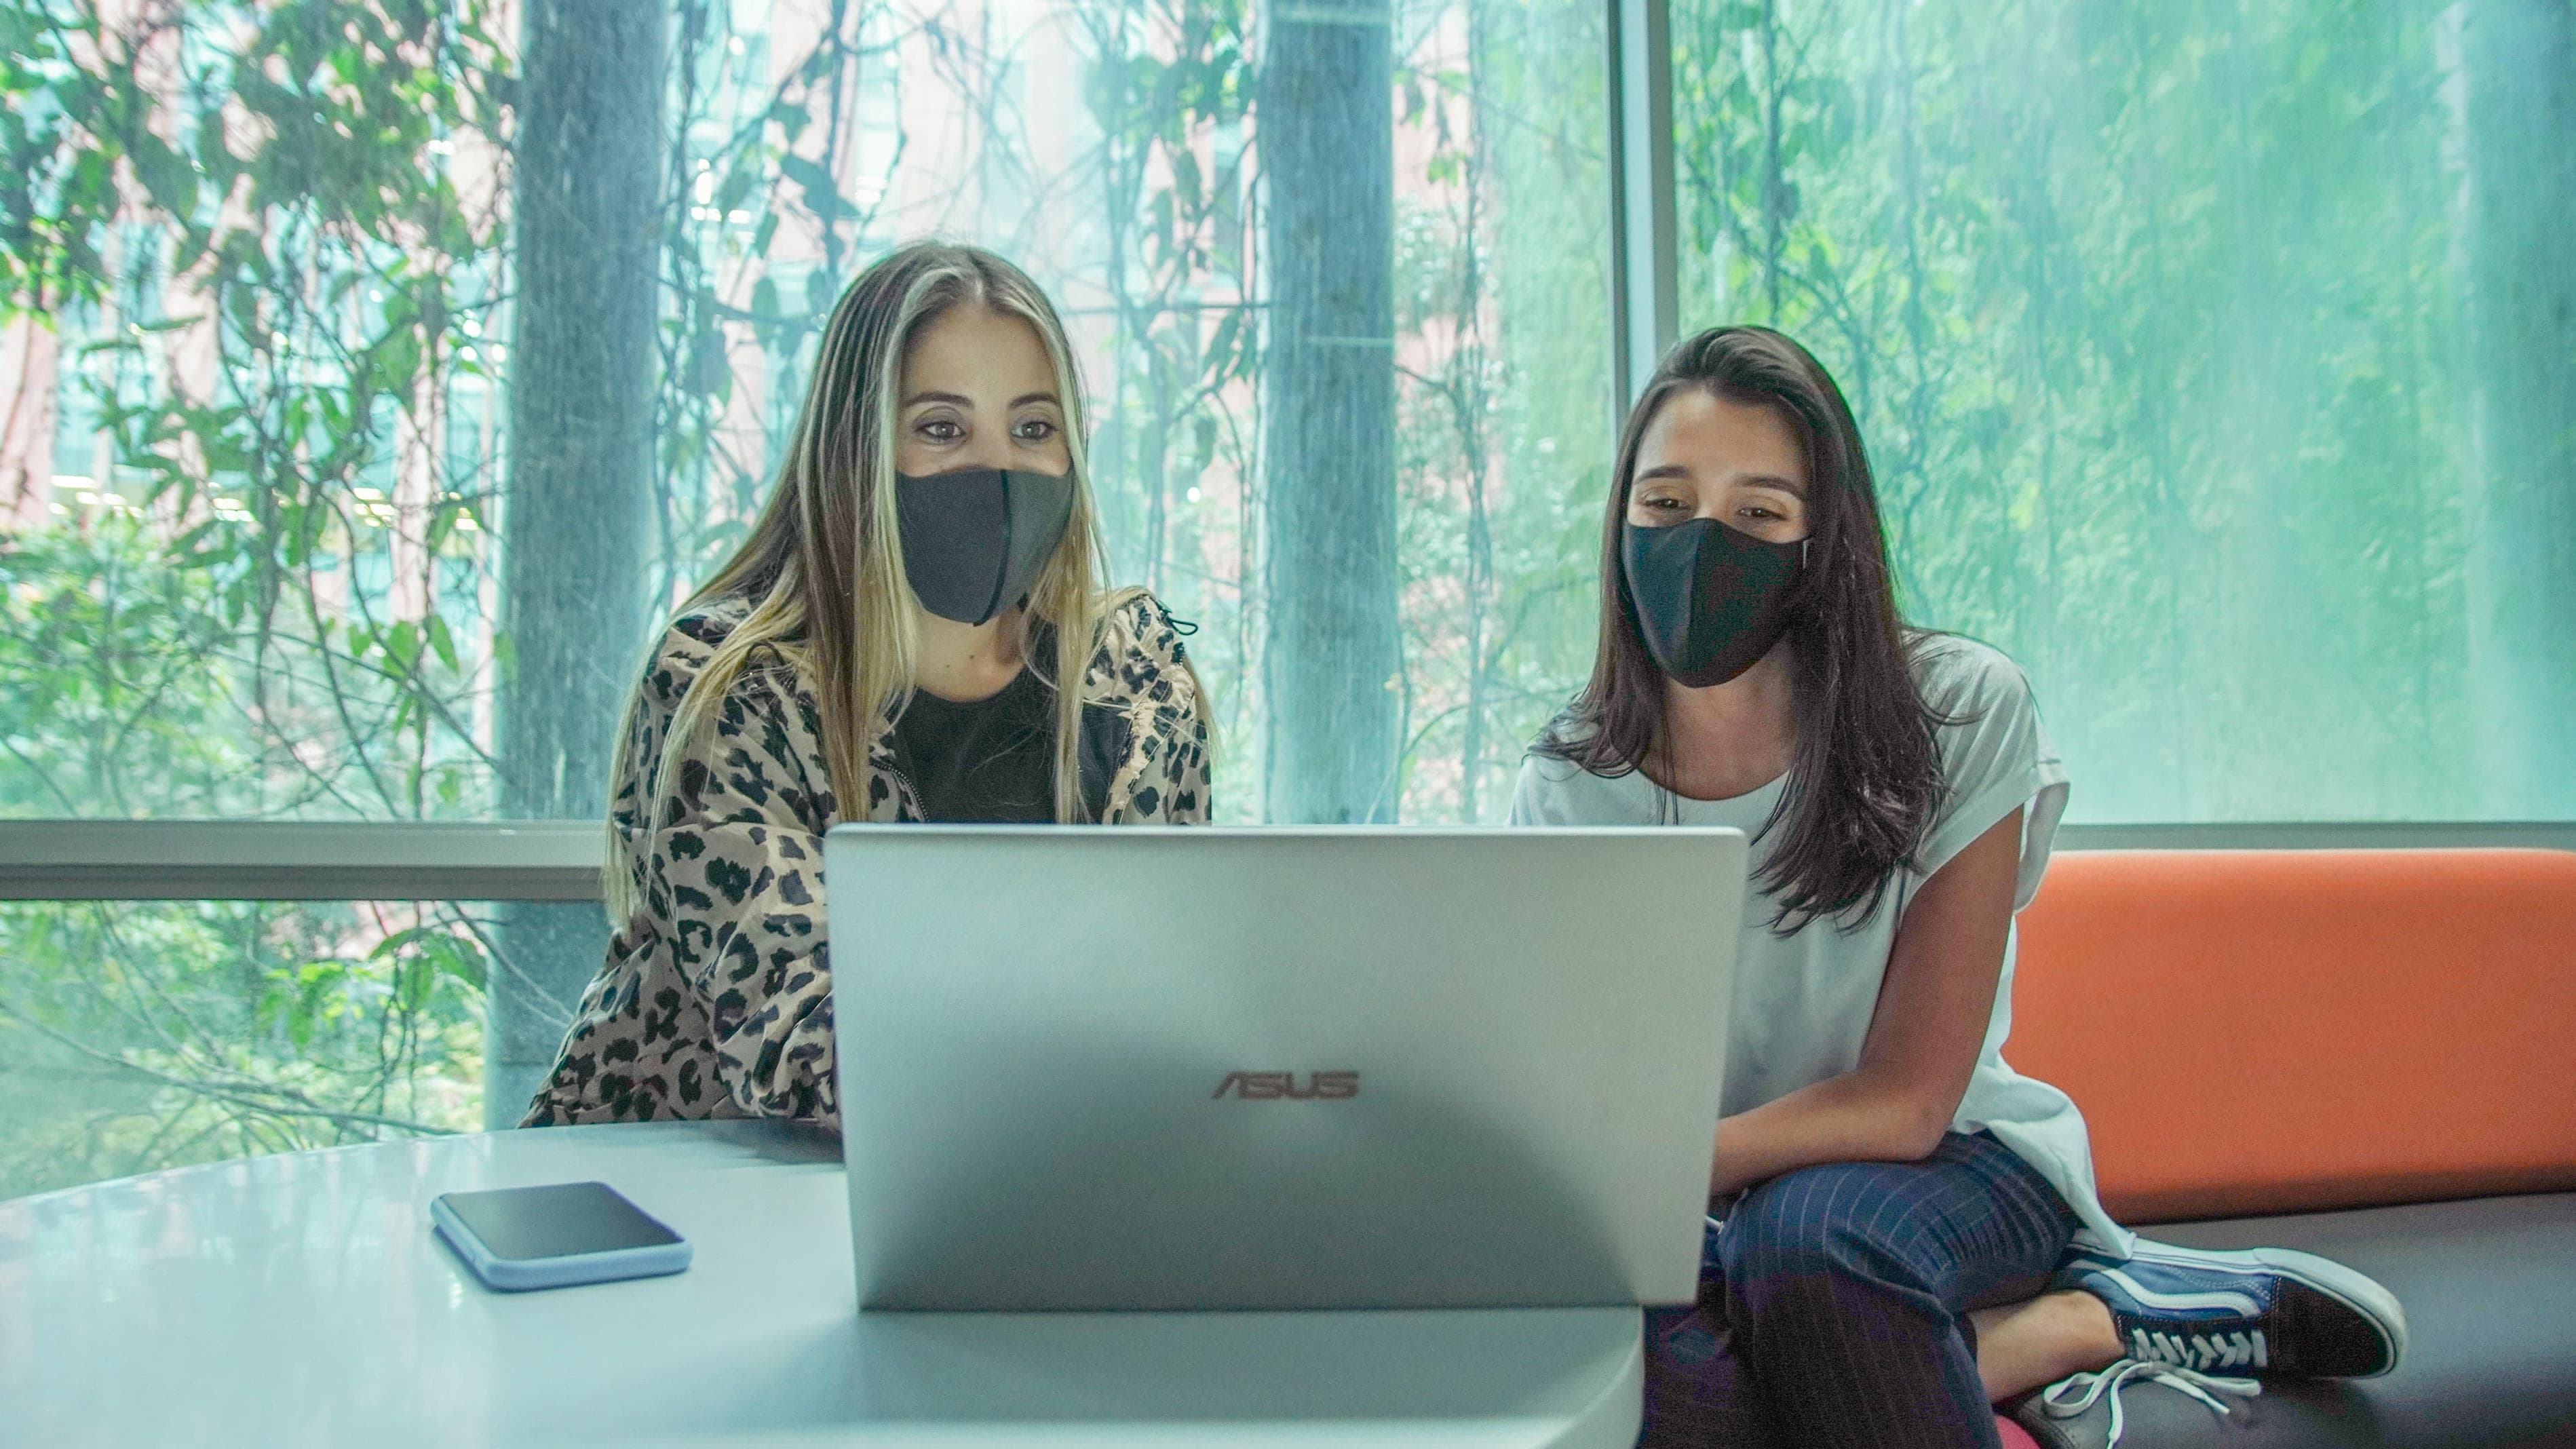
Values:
[(822, 569)]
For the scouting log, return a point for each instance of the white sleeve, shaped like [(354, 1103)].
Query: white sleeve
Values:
[(1996, 758), (1539, 797)]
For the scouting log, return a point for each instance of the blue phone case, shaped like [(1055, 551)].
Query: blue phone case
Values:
[(518, 1274)]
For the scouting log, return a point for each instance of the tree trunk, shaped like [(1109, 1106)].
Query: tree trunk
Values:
[(1332, 655), (2515, 93), (588, 165)]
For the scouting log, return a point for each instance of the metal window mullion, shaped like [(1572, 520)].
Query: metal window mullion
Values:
[(1645, 297), (295, 861), (55, 860), (2324, 835)]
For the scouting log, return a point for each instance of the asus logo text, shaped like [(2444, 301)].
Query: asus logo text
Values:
[(1282, 1086)]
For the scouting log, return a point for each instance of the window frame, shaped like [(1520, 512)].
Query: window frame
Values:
[(523, 860), (559, 860)]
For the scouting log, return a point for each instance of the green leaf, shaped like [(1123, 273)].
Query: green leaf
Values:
[(441, 642), (459, 958), (1218, 360), (822, 197), (402, 645)]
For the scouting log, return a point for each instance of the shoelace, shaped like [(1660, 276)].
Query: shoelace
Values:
[(2092, 1386), (2202, 1351)]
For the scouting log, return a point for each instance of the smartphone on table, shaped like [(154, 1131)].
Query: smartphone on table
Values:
[(518, 1238)]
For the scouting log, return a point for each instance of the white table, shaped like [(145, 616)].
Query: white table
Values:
[(302, 1299)]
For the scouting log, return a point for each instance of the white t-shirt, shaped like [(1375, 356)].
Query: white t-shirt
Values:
[(1803, 1002)]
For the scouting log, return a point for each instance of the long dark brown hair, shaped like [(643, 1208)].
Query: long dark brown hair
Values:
[(1864, 775)]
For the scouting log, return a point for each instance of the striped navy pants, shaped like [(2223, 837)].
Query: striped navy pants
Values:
[(1833, 1304)]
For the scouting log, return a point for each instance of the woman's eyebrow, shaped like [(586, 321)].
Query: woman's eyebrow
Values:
[(955, 399), (1773, 480), (1664, 470)]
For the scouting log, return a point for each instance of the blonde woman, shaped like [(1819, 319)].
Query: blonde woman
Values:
[(916, 629)]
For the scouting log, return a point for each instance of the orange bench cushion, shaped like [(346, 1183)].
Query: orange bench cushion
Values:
[(2272, 1031)]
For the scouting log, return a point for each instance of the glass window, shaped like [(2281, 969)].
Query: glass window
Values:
[(2222, 372), (2219, 366), (285, 530), (135, 1037), (262, 489)]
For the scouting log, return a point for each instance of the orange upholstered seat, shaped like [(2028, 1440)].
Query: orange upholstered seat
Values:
[(2265, 1031)]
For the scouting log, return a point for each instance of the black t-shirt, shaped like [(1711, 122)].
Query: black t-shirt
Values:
[(989, 760)]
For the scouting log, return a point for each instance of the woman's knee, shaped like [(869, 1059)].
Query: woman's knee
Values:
[(1830, 1219)]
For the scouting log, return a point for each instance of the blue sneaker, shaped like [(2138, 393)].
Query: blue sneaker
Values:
[(2262, 1311)]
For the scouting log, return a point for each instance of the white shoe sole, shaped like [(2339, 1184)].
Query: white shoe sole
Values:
[(2354, 1290)]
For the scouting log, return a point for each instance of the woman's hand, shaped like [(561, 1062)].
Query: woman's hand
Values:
[(1924, 1035)]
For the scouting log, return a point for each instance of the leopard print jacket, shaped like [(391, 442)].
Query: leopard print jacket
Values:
[(716, 999)]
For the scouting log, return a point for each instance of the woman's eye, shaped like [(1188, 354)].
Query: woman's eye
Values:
[(941, 430), (1036, 430)]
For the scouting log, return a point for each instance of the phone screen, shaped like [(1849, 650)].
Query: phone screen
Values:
[(556, 1222)]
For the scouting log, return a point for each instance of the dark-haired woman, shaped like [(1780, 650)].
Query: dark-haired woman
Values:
[(1903, 1229)]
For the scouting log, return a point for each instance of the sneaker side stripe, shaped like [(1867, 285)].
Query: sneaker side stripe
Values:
[(2178, 1302)]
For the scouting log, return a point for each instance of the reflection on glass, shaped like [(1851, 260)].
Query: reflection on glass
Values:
[(139, 1036), (2187, 355), (257, 492)]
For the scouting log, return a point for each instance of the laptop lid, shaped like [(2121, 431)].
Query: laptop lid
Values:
[(1155, 1068)]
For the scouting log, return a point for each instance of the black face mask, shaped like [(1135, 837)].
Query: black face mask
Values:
[(975, 540), (1711, 600)]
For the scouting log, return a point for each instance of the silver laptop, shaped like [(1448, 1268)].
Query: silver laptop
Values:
[(1279, 1068)]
